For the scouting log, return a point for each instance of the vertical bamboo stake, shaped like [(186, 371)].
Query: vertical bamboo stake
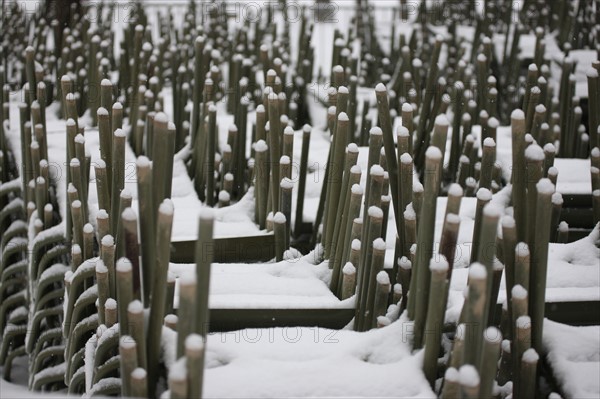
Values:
[(469, 381), (522, 342), (194, 354), (435, 317), (274, 148), (335, 177), (348, 281), (164, 224), (488, 367), (374, 267), (178, 381), (118, 176), (529, 362), (128, 351), (306, 132), (425, 239), (210, 160), (539, 260), (519, 180), (279, 226), (147, 223), (451, 387), (204, 258), (135, 316), (474, 312), (187, 310), (139, 383), (262, 181)]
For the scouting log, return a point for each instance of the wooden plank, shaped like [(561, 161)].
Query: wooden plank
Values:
[(250, 249), (583, 313), (222, 320)]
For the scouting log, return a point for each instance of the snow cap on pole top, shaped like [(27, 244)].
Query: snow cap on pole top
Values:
[(477, 271), (468, 376), (376, 212), (377, 170), (438, 264), (545, 186), (380, 88), (379, 244), (433, 153), (442, 120), (518, 114), (519, 292), (376, 131), (161, 117)]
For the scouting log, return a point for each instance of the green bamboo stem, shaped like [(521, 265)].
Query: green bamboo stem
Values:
[(529, 362), (426, 229), (106, 145), (187, 310), (306, 133), (345, 214), (285, 198), (383, 108), (382, 293), (135, 316), (161, 142), (449, 239), (116, 121), (458, 347), (102, 185), (204, 258), (128, 349), (487, 163), (373, 268), (107, 255), (111, 314), (132, 249), (474, 310), (274, 148), (593, 81), (509, 242), (178, 379), (539, 260), (348, 281), (436, 309), (118, 176), (88, 241), (492, 339), (194, 354), (484, 196), (147, 215), (469, 381), (406, 188), (103, 289), (335, 179), (522, 342), (125, 201), (455, 195), (210, 160), (77, 213), (139, 383), (279, 227), (164, 224), (534, 158), (124, 277), (519, 180), (451, 387), (262, 182)]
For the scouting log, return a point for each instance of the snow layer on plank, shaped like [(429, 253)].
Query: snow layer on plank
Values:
[(293, 283), (574, 356), (298, 362)]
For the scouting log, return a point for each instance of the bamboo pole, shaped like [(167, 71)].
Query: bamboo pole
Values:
[(435, 317), (164, 224), (425, 240)]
